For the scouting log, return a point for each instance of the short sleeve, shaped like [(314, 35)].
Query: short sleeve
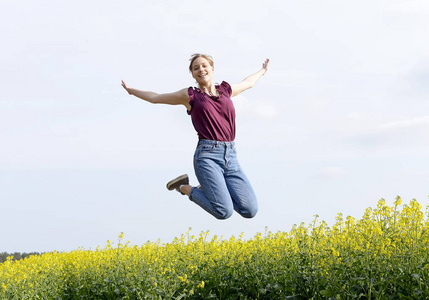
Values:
[(226, 88)]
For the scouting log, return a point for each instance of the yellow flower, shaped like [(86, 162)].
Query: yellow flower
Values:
[(184, 278)]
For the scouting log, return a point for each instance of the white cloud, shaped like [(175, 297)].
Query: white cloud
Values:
[(412, 123), (333, 172), (406, 135), (260, 109), (411, 7)]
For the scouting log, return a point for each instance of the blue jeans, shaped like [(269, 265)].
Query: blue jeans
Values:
[(224, 186)]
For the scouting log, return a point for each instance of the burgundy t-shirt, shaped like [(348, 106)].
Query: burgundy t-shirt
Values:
[(213, 117)]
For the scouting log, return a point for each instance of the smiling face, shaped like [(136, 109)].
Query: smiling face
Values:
[(202, 71)]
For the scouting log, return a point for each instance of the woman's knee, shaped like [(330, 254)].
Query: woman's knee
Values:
[(223, 213), (250, 213)]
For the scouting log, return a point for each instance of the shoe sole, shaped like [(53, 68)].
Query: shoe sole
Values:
[(174, 181)]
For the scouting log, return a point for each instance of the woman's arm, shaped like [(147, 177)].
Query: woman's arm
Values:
[(249, 81), (176, 98)]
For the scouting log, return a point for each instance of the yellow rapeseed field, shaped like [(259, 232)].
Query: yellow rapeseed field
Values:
[(383, 255)]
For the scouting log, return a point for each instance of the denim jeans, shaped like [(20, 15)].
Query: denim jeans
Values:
[(224, 186)]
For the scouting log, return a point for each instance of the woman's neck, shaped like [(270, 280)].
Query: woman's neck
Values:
[(208, 89)]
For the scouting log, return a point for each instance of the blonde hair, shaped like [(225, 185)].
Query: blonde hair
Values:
[(196, 55)]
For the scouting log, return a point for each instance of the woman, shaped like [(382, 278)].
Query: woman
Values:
[(223, 185)]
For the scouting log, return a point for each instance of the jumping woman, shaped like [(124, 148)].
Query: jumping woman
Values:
[(223, 186)]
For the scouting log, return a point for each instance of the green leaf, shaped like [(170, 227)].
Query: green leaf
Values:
[(415, 276), (181, 296), (327, 293)]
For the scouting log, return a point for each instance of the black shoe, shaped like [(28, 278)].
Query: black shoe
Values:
[(177, 182)]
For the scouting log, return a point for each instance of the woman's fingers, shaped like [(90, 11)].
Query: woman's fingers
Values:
[(265, 65), (125, 86)]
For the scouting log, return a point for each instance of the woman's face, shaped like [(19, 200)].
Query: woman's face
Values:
[(202, 71)]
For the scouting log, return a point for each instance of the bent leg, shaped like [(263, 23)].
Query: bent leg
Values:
[(243, 196), (214, 195), (239, 187)]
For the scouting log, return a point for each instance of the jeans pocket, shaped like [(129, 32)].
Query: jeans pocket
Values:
[(206, 148)]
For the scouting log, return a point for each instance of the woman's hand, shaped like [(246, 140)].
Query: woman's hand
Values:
[(265, 65), (125, 86), (176, 98), (249, 81)]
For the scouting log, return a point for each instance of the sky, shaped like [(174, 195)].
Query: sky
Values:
[(339, 121)]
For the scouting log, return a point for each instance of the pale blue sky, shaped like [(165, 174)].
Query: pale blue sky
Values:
[(339, 121)]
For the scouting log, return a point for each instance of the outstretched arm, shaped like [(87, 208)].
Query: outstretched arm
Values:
[(176, 98), (249, 81)]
